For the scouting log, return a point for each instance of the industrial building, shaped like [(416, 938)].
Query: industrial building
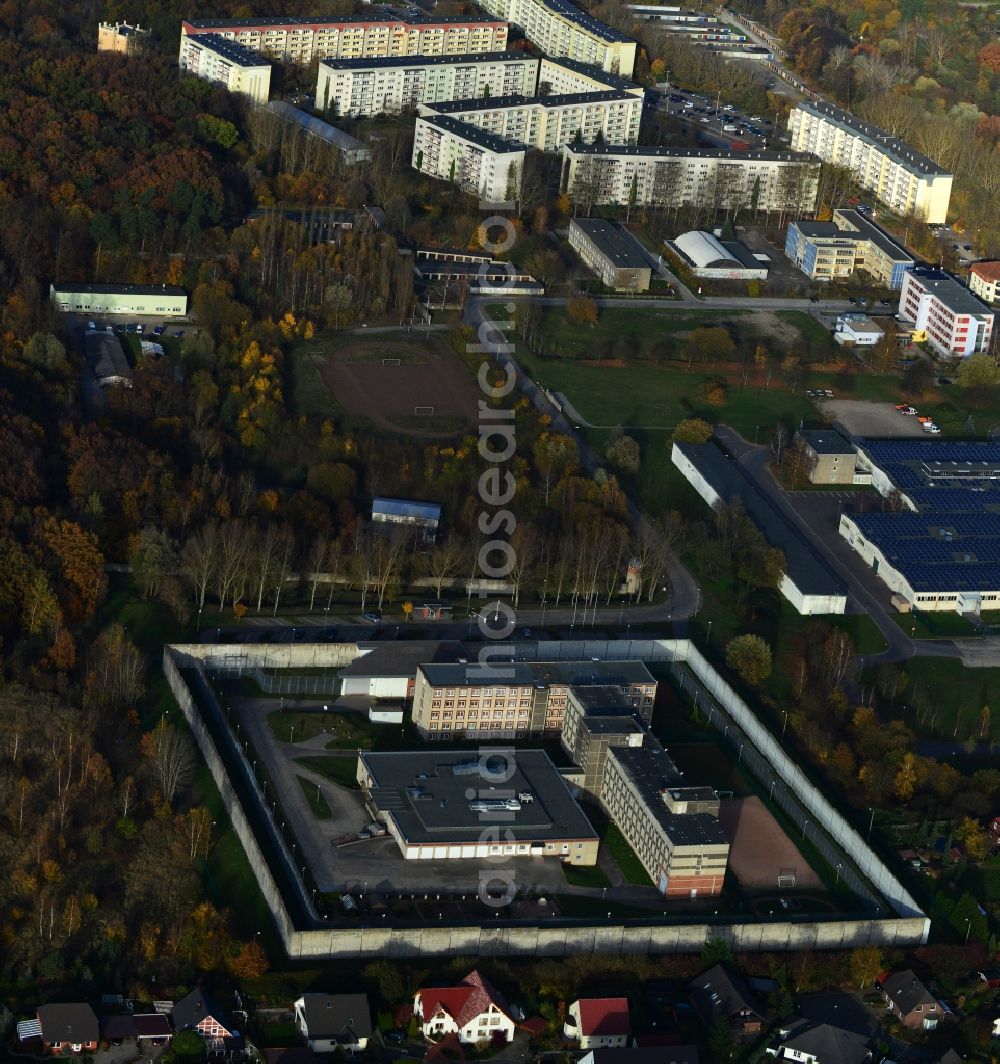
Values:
[(550, 122), (348, 149), (897, 175), (303, 39), (834, 250), (166, 300), (560, 28), (613, 254), (480, 163), (455, 804), (389, 85), (808, 583), (517, 699), (215, 58), (712, 258), (942, 551), (121, 37), (956, 322), (677, 177)]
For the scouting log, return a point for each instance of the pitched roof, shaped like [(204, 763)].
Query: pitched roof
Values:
[(73, 1022), (197, 1006), (989, 271), (906, 991), (600, 1016), (344, 1017), (660, 1054), (152, 1025), (471, 998), (826, 1042), (721, 994)]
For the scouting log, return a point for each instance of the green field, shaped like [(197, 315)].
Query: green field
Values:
[(314, 796), (341, 770), (630, 865), (585, 877)]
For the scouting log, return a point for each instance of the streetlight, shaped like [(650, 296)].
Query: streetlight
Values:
[(770, 793), (805, 824), (839, 866), (968, 928), (871, 823), (740, 761), (784, 724)]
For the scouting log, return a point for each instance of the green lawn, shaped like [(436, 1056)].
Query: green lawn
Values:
[(317, 803), (630, 865), (341, 770), (954, 694), (934, 625), (289, 727), (577, 876)]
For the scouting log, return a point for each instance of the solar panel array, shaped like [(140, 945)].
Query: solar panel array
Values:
[(952, 544)]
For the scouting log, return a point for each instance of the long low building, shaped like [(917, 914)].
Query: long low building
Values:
[(547, 123), (899, 176), (454, 279), (218, 59), (608, 249), (460, 805), (560, 28), (677, 177), (302, 39), (479, 162), (807, 582), (351, 150), (106, 359), (166, 300), (388, 85)]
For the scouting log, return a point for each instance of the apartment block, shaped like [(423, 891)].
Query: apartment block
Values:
[(984, 279), (563, 76), (301, 40), (235, 67), (388, 85), (121, 37), (897, 175), (481, 163), (673, 829), (676, 177), (550, 122), (956, 322), (596, 719), (828, 251), (612, 253), (515, 700)]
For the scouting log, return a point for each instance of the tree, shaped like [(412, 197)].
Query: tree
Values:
[(710, 344), (716, 951), (692, 430), (750, 657), (153, 558), (906, 778), (973, 839), (187, 1046), (866, 963), (623, 453), (171, 758), (249, 963), (721, 1043), (979, 371), (581, 310), (442, 561)]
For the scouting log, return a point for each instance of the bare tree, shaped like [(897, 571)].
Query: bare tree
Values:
[(319, 556), (234, 545), (386, 558), (443, 560), (525, 544), (285, 551), (199, 559), (171, 759)]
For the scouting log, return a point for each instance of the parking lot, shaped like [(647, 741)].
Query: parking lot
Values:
[(862, 418), (721, 122)]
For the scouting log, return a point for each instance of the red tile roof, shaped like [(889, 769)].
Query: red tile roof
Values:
[(989, 271), (471, 998), (599, 1016)]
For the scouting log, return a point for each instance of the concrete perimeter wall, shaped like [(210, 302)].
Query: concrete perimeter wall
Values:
[(907, 926)]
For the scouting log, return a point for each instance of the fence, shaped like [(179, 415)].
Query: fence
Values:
[(325, 682)]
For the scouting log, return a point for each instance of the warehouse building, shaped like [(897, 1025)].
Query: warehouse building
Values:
[(453, 805), (215, 58), (956, 322), (389, 85), (560, 28), (942, 551), (303, 39), (677, 177), (347, 148), (712, 258), (612, 253), (166, 300), (808, 583), (834, 250), (480, 163), (550, 122), (424, 516), (897, 175), (106, 359)]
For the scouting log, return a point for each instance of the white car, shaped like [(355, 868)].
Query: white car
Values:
[(930, 427), (730, 128)]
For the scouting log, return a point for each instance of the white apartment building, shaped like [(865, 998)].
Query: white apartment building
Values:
[(896, 174), (956, 322), (550, 122), (479, 162), (675, 177), (388, 85), (984, 280), (563, 76), (214, 58), (301, 40), (559, 28)]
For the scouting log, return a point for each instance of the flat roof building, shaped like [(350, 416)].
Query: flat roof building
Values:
[(166, 300), (612, 253), (808, 583), (957, 323), (857, 330), (121, 37), (831, 458), (480, 163), (216, 58), (899, 176), (562, 76), (348, 148), (677, 177), (453, 804)]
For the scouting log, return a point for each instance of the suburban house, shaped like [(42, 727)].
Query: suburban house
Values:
[(474, 1010), (806, 1042), (598, 1022), (199, 1012), (329, 1021), (721, 995), (910, 1001), (145, 1028), (68, 1028)]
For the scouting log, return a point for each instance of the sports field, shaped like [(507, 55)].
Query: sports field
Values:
[(759, 850)]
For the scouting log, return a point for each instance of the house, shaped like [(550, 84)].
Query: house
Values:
[(660, 1054), (68, 1028), (721, 995), (474, 1010), (199, 1012), (598, 1022), (857, 330), (910, 1001), (807, 1042), (331, 1020), (146, 1027)]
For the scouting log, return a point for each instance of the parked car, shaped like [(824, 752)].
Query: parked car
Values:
[(374, 616), (902, 406), (944, 381), (930, 427), (91, 326), (814, 299), (159, 330), (886, 302), (910, 411)]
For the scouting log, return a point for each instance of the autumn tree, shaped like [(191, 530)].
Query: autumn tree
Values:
[(906, 778), (979, 372), (692, 430), (973, 839), (866, 964), (581, 310), (750, 657)]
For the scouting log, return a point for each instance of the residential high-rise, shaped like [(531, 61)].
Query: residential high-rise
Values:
[(239, 69)]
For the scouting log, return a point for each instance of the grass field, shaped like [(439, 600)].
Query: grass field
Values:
[(314, 796), (585, 877), (956, 695), (630, 865), (341, 770)]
